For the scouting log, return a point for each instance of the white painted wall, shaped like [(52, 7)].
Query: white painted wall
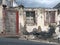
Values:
[(21, 20), (57, 28), (30, 28), (39, 20), (58, 19), (1, 20)]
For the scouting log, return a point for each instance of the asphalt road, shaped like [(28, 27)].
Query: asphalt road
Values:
[(9, 41)]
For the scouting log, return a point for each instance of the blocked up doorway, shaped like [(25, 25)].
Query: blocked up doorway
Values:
[(11, 22)]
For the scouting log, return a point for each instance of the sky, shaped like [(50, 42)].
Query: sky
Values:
[(39, 3)]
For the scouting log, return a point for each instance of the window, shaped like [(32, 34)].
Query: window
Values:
[(30, 17)]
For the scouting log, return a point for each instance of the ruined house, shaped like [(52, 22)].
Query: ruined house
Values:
[(17, 19)]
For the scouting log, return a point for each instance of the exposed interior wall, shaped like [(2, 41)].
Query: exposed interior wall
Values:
[(1, 19), (21, 20), (58, 17), (40, 18), (57, 23)]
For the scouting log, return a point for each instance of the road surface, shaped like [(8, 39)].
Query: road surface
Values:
[(10, 41)]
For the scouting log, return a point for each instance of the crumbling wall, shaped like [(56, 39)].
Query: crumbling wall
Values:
[(1, 20)]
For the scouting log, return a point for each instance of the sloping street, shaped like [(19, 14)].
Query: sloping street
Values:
[(11, 41)]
